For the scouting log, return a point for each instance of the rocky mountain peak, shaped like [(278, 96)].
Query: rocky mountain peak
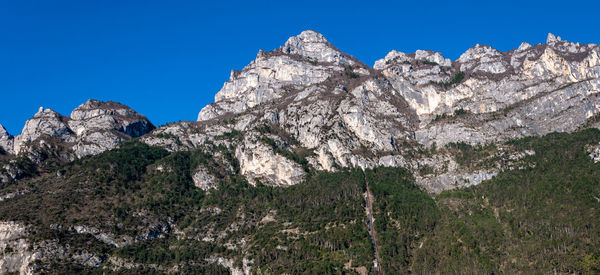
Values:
[(392, 56), (485, 96), (46, 122), (477, 52), (551, 39), (569, 50), (6, 140), (305, 37), (304, 60), (300, 98), (433, 57), (93, 127), (94, 108), (48, 113), (313, 45), (98, 115), (524, 46), (3, 132), (412, 60)]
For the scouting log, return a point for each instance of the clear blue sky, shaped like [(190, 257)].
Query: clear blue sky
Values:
[(167, 59)]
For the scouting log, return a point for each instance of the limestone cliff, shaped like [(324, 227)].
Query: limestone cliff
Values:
[(92, 128), (342, 113)]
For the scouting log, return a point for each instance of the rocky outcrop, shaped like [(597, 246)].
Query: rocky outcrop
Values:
[(14, 246), (314, 46), (309, 95), (230, 264), (93, 127), (258, 162), (46, 122), (349, 115), (204, 180), (100, 126), (533, 90), (594, 152), (304, 60), (97, 115), (6, 141)]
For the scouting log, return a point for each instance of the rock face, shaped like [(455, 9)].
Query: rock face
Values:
[(259, 162), (6, 141), (309, 96), (93, 127), (594, 152), (97, 115), (45, 122), (100, 126), (304, 60), (321, 98), (15, 256), (314, 46), (204, 180)]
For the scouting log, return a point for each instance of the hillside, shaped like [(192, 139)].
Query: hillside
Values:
[(310, 161)]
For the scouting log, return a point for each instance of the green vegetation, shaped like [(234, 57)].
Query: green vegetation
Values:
[(539, 219), (457, 112), (457, 78), (403, 214), (427, 62), (479, 156), (312, 61), (135, 189), (460, 111), (440, 117), (25, 166), (48, 156), (542, 218), (327, 227), (297, 155), (426, 170), (232, 134), (350, 72), (168, 250)]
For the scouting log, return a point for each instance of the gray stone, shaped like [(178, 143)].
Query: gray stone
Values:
[(93, 127), (6, 141), (531, 91)]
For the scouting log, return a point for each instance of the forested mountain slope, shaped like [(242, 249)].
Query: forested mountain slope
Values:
[(310, 161)]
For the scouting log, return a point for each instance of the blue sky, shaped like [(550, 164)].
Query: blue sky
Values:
[(167, 59)]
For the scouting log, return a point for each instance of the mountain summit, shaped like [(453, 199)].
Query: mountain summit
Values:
[(304, 60), (334, 106), (313, 45)]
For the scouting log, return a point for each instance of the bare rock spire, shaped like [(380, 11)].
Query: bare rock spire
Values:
[(552, 39)]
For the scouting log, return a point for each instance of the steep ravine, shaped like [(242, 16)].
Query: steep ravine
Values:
[(372, 231)]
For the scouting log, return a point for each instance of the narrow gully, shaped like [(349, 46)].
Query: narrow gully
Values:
[(371, 226)]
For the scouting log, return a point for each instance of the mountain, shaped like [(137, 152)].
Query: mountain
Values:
[(310, 161), (308, 97)]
